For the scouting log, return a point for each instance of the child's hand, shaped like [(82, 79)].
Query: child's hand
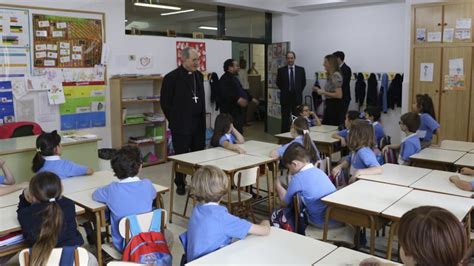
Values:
[(336, 171), (2, 163), (343, 142), (24, 185), (265, 223), (454, 178), (466, 171), (241, 151), (352, 179)]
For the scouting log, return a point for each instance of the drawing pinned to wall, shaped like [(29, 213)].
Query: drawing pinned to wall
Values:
[(426, 72), (25, 110), (144, 61), (55, 93), (80, 37), (274, 110), (19, 88), (420, 34), (7, 110), (200, 47), (14, 28)]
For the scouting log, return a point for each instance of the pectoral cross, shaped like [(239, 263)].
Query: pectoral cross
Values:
[(195, 98)]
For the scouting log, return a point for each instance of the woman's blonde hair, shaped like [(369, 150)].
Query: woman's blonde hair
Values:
[(334, 65), (361, 135), (209, 184)]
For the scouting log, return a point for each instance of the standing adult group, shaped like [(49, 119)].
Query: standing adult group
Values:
[(291, 80)]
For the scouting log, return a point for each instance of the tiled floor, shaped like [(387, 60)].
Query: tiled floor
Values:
[(160, 174)]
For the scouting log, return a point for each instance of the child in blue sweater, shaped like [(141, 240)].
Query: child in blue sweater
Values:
[(410, 145)]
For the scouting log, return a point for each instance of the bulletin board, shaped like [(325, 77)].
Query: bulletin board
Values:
[(200, 47), (44, 51)]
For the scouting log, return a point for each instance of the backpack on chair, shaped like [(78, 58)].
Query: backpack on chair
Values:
[(147, 247)]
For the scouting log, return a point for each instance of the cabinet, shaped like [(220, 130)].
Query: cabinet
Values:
[(131, 98), (454, 108)]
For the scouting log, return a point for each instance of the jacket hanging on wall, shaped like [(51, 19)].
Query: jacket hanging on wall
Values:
[(382, 101), (214, 82), (394, 94), (360, 87), (372, 91)]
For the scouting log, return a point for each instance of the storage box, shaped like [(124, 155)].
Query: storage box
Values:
[(134, 119), (156, 132)]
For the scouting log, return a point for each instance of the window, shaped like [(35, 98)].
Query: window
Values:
[(244, 23)]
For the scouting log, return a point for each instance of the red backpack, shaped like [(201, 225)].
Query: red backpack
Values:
[(147, 247)]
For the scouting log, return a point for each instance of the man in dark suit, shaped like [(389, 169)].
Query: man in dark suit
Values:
[(183, 103), (233, 96), (291, 80), (346, 73)]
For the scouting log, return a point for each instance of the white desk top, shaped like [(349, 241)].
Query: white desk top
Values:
[(317, 137), (80, 183), (466, 161), (323, 128), (202, 156), (240, 161), (438, 181), (397, 175), (438, 155), (10, 222), (459, 206), (253, 145), (279, 247), (284, 135), (373, 197), (457, 145), (10, 199), (344, 256)]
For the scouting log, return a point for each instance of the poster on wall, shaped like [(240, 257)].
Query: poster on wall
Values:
[(426, 72), (14, 28), (200, 47), (66, 42), (7, 111), (84, 105)]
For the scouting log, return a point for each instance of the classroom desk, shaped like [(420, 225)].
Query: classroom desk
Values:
[(343, 256), (457, 145), (11, 199), (230, 165), (325, 143), (323, 128), (438, 159), (360, 204), (438, 181), (19, 152), (186, 163), (466, 161), (10, 224), (97, 210), (459, 206), (80, 183), (280, 247), (258, 146), (397, 175)]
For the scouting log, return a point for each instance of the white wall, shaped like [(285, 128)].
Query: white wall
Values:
[(372, 37), (121, 45)]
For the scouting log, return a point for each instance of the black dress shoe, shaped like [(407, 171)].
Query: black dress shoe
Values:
[(181, 190)]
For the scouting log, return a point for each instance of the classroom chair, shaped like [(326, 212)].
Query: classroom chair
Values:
[(240, 200), (144, 220), (81, 257)]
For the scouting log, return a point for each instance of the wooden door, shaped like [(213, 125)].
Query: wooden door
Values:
[(421, 56), (454, 14), (428, 18), (454, 104)]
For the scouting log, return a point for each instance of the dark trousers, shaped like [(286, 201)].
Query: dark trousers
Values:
[(287, 110), (332, 112), (345, 105), (239, 120), (184, 143)]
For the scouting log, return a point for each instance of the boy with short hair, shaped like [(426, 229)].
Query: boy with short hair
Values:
[(409, 123)]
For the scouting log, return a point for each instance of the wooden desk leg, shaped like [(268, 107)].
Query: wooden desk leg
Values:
[(160, 204), (173, 173), (372, 235), (98, 230), (275, 176), (229, 191), (391, 235), (326, 223), (269, 189)]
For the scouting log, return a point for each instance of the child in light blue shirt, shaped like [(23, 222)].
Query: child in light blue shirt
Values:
[(362, 160), (409, 122), (372, 113), (47, 158), (8, 181), (310, 116), (428, 125), (130, 195), (462, 184), (308, 182), (211, 226), (342, 135), (225, 134)]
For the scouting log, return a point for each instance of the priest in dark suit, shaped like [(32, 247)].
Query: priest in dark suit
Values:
[(183, 103), (291, 80)]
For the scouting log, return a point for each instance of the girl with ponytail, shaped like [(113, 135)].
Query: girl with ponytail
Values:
[(47, 158), (300, 132), (47, 219)]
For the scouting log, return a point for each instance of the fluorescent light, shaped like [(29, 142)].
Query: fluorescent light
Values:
[(207, 28), (177, 12), (157, 6)]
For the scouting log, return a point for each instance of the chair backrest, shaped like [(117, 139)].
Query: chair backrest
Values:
[(296, 207), (23, 131), (144, 220), (246, 177), (81, 257), (324, 165)]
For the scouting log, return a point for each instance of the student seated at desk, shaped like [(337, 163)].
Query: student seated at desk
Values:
[(429, 235), (310, 116), (362, 159), (428, 126), (300, 132), (130, 195), (409, 123), (464, 185), (226, 135), (342, 135), (9, 181), (47, 158), (211, 226), (47, 219), (309, 183), (372, 114)]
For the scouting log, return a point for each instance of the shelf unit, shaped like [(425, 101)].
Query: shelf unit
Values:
[(122, 92)]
